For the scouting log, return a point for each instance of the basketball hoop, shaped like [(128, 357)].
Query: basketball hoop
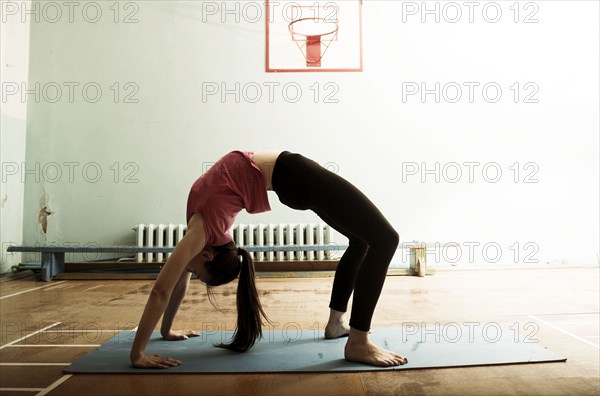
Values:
[(315, 33)]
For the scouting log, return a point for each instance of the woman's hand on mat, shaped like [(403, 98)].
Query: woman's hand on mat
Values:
[(178, 335), (154, 361)]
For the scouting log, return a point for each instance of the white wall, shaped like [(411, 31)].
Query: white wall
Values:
[(375, 134), (14, 66)]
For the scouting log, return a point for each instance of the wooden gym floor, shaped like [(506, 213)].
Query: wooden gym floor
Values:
[(45, 326)]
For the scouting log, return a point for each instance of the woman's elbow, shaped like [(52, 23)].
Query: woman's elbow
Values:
[(160, 293)]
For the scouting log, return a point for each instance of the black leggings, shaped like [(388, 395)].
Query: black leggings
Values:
[(301, 183)]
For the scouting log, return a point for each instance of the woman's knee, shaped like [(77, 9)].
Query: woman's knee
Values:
[(394, 238), (387, 239), (359, 245)]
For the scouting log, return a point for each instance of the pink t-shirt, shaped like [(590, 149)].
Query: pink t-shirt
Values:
[(233, 183)]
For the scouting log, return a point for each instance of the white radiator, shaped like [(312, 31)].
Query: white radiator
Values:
[(158, 235), (266, 235), (244, 235)]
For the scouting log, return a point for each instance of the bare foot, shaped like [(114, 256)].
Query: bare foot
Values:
[(336, 330), (361, 350), (336, 325)]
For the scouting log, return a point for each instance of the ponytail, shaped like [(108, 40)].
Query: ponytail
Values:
[(249, 309)]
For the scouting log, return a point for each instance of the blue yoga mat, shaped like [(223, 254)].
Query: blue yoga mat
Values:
[(300, 350)]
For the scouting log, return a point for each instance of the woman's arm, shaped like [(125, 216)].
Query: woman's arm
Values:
[(176, 299), (191, 244)]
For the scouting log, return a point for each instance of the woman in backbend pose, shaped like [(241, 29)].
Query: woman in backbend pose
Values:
[(240, 180)]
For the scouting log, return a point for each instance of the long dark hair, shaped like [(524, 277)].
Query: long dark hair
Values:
[(224, 268)]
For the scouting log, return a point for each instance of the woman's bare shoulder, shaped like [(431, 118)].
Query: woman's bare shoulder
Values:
[(196, 222)]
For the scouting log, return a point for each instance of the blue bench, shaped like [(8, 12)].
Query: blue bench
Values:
[(53, 257)]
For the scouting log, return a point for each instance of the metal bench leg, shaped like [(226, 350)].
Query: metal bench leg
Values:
[(52, 264)]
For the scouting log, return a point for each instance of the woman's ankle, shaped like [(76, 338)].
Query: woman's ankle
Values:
[(358, 335), (335, 316)]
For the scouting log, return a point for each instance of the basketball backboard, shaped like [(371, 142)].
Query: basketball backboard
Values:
[(305, 36)]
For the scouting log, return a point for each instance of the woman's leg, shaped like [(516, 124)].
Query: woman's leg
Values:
[(303, 184), (347, 209), (344, 280)]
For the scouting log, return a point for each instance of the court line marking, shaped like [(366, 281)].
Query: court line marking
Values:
[(29, 335), (579, 323), (564, 331), (93, 287), (91, 330), (57, 286), (82, 331), (30, 290), (35, 364), (52, 345), (70, 286), (570, 314), (100, 331), (21, 389), (55, 385)]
